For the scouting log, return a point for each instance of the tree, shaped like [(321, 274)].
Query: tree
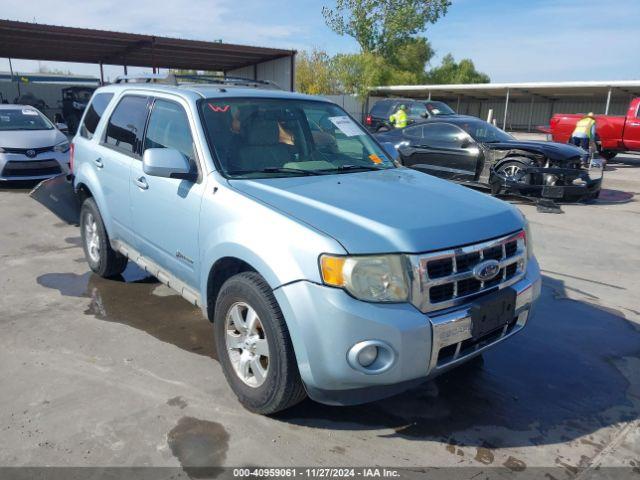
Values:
[(379, 26), (451, 72), (356, 72), (314, 73)]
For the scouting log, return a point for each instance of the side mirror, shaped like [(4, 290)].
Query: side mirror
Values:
[(391, 150), (466, 142), (63, 127), (167, 163)]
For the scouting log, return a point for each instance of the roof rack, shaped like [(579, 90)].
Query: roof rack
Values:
[(195, 79), (147, 78)]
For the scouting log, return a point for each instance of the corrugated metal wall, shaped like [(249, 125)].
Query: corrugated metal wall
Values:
[(350, 103), (277, 71), (51, 93)]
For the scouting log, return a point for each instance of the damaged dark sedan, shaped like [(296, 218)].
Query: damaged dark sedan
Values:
[(473, 152)]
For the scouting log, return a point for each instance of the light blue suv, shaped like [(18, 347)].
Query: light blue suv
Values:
[(326, 269)]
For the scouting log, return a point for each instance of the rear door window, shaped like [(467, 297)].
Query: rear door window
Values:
[(125, 129), (94, 113), (169, 128)]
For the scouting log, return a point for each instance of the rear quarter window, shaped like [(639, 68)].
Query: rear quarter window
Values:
[(380, 109), (95, 110)]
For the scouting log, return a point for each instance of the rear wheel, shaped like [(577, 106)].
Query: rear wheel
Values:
[(608, 154), (102, 259), (254, 347)]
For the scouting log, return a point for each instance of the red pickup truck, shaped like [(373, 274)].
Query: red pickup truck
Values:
[(616, 133)]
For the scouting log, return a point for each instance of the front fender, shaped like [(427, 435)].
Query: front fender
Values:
[(280, 248), (86, 176)]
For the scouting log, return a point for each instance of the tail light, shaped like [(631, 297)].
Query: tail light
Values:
[(72, 149), (368, 120)]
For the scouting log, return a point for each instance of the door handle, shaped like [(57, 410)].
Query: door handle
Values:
[(141, 182), (98, 162)]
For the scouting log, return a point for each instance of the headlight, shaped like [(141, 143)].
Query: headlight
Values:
[(528, 239), (62, 147), (375, 278)]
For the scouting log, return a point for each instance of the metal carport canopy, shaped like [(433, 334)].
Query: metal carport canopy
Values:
[(34, 41), (489, 90)]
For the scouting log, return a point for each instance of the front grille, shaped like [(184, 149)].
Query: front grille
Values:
[(447, 278), (35, 168), (23, 151)]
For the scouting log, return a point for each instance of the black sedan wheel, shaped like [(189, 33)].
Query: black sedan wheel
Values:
[(515, 171)]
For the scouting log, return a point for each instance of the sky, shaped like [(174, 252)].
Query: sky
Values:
[(510, 40)]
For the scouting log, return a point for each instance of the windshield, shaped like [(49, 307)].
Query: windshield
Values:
[(439, 108), (261, 138), (23, 119), (485, 132)]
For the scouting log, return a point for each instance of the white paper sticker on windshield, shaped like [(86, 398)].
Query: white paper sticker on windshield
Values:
[(346, 126), (28, 111)]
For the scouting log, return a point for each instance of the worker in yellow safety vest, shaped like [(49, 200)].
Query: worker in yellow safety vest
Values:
[(399, 118), (585, 132)]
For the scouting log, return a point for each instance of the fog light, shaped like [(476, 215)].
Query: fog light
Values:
[(368, 355), (371, 357)]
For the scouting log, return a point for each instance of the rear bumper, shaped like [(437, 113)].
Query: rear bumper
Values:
[(325, 323)]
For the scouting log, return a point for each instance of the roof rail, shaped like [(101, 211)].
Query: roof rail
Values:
[(182, 79), (226, 80), (147, 78)]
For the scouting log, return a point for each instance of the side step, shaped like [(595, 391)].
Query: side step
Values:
[(165, 277)]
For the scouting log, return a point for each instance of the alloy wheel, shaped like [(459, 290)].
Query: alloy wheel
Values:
[(92, 237), (247, 345)]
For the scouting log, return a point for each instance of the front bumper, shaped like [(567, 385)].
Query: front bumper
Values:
[(570, 184), (20, 167), (325, 323)]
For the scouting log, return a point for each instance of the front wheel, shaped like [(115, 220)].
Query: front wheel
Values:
[(608, 154), (515, 170), (254, 347)]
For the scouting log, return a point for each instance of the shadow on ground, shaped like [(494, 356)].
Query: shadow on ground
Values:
[(568, 374)]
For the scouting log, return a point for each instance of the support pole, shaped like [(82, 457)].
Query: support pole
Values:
[(530, 115), (506, 109), (11, 72), (124, 67), (429, 95), (606, 108), (458, 105), (101, 74)]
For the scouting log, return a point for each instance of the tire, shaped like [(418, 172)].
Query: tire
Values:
[(608, 154), (264, 384), (512, 170), (102, 259)]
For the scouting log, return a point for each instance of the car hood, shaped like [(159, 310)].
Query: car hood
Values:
[(31, 138), (553, 150), (396, 210)]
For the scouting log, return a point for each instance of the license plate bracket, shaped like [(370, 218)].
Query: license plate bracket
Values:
[(493, 311)]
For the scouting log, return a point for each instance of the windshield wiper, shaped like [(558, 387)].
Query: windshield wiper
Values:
[(273, 170), (345, 168)]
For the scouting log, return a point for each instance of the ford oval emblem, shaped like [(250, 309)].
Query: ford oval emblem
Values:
[(31, 153), (486, 270)]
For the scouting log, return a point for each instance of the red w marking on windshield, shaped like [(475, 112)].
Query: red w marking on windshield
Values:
[(218, 109)]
